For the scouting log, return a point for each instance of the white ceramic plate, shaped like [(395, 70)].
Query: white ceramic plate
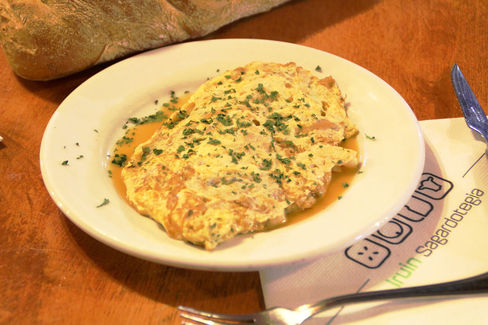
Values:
[(90, 120)]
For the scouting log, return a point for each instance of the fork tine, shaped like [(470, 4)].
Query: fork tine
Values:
[(201, 320), (216, 318)]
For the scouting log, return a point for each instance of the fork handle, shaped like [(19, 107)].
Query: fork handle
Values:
[(473, 285)]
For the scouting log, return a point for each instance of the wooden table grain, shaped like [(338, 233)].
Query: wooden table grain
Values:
[(53, 273)]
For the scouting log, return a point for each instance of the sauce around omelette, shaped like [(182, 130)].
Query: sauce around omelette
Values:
[(252, 149)]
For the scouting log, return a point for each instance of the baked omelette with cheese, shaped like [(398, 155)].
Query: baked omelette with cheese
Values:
[(248, 147)]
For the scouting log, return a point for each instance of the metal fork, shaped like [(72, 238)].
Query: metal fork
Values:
[(279, 315)]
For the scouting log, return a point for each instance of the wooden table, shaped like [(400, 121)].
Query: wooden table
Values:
[(53, 273)]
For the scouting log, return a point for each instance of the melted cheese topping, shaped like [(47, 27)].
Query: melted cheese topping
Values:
[(247, 147)]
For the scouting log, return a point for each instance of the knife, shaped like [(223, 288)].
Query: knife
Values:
[(473, 113)]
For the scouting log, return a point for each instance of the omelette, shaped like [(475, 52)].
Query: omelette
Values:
[(248, 147)]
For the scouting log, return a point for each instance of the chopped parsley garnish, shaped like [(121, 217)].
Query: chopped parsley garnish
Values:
[(236, 156), (173, 99), (207, 120), (182, 114), (284, 160), (157, 152), (145, 151), (156, 117), (214, 141), (189, 131), (243, 124), (269, 125), (275, 122), (273, 95), (105, 202), (64, 163), (124, 140), (256, 177), (119, 160), (224, 119), (278, 176), (266, 164), (227, 131)]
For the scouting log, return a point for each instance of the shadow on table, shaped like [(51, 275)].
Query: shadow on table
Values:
[(55, 91), (170, 285)]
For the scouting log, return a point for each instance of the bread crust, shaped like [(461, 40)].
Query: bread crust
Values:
[(49, 39)]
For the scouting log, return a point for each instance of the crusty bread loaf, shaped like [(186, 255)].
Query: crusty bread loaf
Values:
[(50, 39)]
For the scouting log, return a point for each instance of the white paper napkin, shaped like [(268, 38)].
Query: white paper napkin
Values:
[(440, 235)]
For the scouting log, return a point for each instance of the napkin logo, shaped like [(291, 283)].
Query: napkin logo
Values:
[(374, 250), (394, 232), (368, 253), (434, 187), (416, 209)]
